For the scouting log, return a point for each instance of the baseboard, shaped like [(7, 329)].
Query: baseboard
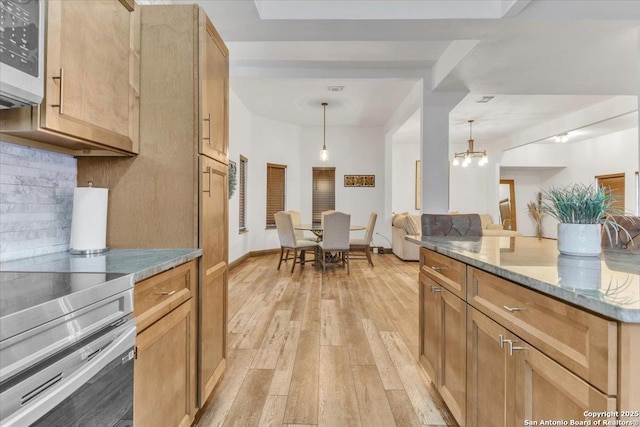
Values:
[(252, 254)]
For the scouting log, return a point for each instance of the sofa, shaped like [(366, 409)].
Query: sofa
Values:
[(403, 224), (491, 229)]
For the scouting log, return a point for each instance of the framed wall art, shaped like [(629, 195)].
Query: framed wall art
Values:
[(359, 180)]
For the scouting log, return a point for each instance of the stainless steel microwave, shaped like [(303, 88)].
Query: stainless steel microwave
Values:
[(21, 52)]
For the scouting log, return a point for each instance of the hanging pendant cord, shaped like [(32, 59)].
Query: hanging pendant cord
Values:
[(324, 126)]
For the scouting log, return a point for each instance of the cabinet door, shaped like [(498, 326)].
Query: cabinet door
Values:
[(490, 373), (544, 390), (164, 383), (430, 327), (214, 83), (214, 272), (91, 89), (453, 349)]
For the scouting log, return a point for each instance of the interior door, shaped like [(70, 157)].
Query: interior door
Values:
[(214, 271), (614, 184)]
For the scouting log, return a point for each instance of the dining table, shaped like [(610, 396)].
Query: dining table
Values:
[(318, 229)]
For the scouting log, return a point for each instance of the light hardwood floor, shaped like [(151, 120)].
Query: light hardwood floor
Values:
[(339, 351)]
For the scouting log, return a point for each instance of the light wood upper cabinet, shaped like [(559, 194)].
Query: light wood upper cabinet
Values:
[(214, 87), (91, 103)]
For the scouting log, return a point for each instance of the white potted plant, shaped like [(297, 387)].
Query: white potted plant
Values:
[(582, 210)]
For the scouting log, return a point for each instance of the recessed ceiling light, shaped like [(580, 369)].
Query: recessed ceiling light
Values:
[(485, 99), (335, 88), (562, 138)]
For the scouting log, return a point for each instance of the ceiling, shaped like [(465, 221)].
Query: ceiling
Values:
[(540, 59)]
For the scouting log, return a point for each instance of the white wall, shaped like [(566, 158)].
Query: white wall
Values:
[(475, 188), (240, 143), (404, 156), (353, 151), (613, 153)]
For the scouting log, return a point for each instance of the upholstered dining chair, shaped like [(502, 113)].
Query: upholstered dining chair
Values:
[(297, 220), (462, 225), (288, 241), (335, 237), (364, 244), (323, 214)]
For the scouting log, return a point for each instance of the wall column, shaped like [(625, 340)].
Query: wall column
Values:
[(434, 148)]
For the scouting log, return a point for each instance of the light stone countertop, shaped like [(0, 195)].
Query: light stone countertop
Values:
[(608, 285), (143, 263)]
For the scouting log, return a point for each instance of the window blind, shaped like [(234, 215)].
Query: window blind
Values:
[(324, 192), (276, 179), (243, 194)]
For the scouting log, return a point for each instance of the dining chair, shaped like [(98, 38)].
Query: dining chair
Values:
[(297, 220), (335, 237), (288, 241), (364, 244), (323, 214), (462, 225)]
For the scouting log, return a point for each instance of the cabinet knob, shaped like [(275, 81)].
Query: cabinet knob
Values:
[(512, 309), (435, 289)]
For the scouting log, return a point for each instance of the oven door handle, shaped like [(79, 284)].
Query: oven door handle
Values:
[(56, 394)]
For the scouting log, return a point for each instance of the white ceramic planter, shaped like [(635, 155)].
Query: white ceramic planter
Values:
[(579, 239)]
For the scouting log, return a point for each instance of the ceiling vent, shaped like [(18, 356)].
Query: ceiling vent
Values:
[(335, 88), (485, 99)]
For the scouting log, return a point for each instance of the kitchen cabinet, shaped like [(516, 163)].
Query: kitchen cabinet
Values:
[(91, 101), (214, 115), (213, 295), (170, 195), (509, 381), (443, 342), (529, 356), (165, 362)]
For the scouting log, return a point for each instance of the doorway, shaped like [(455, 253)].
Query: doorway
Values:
[(507, 204), (614, 183)]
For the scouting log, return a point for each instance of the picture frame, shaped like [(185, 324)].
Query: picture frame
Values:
[(359, 180)]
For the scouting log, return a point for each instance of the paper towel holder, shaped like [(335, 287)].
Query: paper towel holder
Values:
[(88, 252)]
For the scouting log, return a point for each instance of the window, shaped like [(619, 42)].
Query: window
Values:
[(242, 191), (276, 178), (324, 192)]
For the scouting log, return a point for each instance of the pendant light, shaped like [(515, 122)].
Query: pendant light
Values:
[(324, 153), (466, 156)]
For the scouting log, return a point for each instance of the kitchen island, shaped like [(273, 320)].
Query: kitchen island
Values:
[(511, 331)]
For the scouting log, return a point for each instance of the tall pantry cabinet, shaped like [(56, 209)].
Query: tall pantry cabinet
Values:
[(174, 194)]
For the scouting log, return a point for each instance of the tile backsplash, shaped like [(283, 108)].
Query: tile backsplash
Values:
[(36, 201)]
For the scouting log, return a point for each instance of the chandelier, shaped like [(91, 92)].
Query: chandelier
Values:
[(324, 153), (466, 156)]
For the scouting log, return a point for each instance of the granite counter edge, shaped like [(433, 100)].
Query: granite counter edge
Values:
[(166, 265)]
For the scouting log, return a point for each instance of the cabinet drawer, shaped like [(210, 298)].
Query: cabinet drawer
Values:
[(584, 343), (447, 271), (158, 295)]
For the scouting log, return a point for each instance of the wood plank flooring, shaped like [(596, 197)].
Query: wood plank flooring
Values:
[(304, 350)]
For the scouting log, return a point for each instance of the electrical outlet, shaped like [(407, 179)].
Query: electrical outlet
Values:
[(375, 250)]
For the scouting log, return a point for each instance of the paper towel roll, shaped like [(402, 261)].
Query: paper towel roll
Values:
[(89, 220)]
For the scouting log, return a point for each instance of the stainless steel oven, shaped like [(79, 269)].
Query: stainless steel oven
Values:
[(66, 349)]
